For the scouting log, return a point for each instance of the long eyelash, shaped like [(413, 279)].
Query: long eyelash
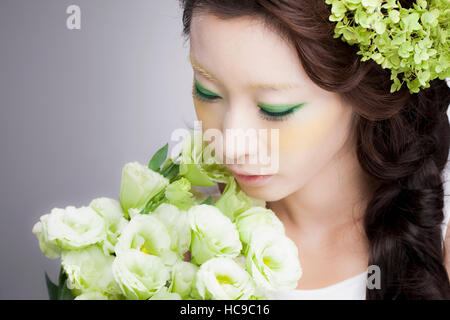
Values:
[(279, 116)]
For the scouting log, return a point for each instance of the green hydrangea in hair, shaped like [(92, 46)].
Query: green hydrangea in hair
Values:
[(412, 43)]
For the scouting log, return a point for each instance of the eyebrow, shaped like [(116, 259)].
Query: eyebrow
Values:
[(253, 85)]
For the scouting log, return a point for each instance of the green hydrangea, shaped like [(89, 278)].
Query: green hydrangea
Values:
[(412, 43)]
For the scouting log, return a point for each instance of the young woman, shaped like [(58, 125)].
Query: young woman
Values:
[(360, 179)]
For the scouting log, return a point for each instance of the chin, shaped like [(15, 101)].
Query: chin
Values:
[(268, 193)]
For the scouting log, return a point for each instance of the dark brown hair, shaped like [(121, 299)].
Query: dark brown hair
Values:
[(402, 141)]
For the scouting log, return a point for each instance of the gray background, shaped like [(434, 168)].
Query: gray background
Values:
[(75, 106)]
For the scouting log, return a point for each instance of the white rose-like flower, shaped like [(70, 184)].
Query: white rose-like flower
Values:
[(138, 185), (213, 234), (90, 270), (95, 295), (146, 233), (272, 260), (165, 294), (49, 247), (248, 220), (139, 275), (114, 217), (75, 228), (132, 212), (177, 224), (183, 274), (223, 279)]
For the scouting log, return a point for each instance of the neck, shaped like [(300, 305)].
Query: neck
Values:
[(336, 197)]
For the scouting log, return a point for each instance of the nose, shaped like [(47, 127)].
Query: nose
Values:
[(240, 136)]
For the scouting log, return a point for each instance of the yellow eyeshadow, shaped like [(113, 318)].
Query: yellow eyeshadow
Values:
[(307, 134)]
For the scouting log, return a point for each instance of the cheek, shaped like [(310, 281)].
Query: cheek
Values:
[(201, 110), (206, 113), (304, 136), (307, 147)]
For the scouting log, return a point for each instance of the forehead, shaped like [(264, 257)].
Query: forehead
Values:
[(243, 48)]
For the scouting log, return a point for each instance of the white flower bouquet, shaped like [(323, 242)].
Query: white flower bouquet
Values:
[(165, 239)]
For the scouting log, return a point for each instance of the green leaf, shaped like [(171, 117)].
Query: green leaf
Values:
[(173, 172), (61, 277), (146, 209), (153, 202), (147, 206), (158, 158), (167, 167), (207, 201), (52, 288), (169, 163), (64, 292)]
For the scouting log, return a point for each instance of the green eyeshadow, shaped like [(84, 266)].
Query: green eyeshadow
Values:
[(203, 90), (279, 108)]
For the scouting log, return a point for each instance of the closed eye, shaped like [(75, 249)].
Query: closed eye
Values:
[(267, 112), (203, 94), (277, 112)]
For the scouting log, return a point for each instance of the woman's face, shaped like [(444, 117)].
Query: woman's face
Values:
[(247, 77)]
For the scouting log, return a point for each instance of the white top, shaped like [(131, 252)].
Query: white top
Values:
[(354, 288)]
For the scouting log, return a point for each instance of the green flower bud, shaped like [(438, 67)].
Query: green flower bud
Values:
[(139, 184)]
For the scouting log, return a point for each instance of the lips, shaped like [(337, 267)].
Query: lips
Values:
[(251, 179), (243, 173)]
